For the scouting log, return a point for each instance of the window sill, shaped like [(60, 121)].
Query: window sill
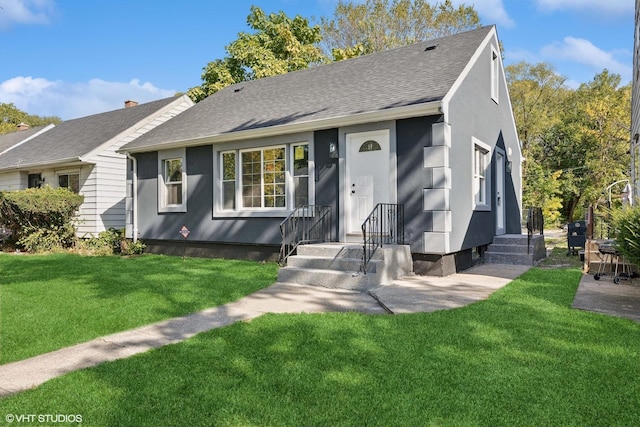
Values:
[(172, 209), (276, 213), (482, 208)]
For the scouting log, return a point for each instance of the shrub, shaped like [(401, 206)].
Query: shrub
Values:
[(41, 219), (627, 225), (111, 241)]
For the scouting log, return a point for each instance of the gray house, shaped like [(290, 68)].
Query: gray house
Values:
[(427, 126), (81, 154)]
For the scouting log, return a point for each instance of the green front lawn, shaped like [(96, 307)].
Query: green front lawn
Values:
[(52, 301), (522, 357)]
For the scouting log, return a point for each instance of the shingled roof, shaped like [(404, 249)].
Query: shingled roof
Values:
[(8, 140), (72, 139), (402, 77)]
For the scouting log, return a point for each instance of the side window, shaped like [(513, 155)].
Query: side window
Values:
[(301, 174), (172, 184), (480, 166), (495, 69)]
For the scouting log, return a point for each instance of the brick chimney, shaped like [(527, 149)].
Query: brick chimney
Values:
[(130, 103), (23, 126)]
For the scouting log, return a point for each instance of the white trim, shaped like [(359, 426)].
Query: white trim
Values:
[(424, 109), (486, 205), (494, 72), (262, 144), (162, 189)]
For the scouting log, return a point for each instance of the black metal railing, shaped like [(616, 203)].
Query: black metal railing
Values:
[(383, 226), (306, 224), (535, 223)]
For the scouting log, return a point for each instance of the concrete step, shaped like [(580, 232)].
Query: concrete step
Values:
[(336, 263), (328, 278), (518, 249), (510, 239), (508, 258), (335, 250)]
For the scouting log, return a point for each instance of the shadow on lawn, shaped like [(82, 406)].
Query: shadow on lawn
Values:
[(521, 357)]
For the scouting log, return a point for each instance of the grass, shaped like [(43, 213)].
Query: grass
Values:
[(522, 357), (52, 301)]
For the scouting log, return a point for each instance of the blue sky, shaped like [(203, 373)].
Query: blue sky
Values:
[(72, 58)]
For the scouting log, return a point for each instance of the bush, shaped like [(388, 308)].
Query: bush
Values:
[(41, 219), (111, 241), (627, 225)]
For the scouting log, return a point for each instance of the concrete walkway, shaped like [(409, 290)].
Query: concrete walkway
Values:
[(410, 294), (603, 296)]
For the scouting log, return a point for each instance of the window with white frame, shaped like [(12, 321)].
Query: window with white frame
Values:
[(70, 180), (301, 174), (265, 178), (495, 68), (172, 181), (480, 163)]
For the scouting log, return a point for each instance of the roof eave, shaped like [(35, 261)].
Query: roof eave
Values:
[(416, 110), (59, 163)]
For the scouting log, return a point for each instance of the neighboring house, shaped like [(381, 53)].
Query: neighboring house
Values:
[(635, 109), (81, 154), (429, 126), (22, 134)]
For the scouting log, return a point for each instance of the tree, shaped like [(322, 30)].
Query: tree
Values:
[(277, 45), (358, 29), (537, 93), (591, 141), (11, 117)]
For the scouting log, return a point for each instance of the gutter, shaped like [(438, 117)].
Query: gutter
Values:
[(134, 197), (416, 110)]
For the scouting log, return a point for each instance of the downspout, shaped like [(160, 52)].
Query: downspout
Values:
[(134, 197)]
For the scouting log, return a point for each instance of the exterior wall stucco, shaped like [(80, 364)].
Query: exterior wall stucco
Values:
[(472, 113)]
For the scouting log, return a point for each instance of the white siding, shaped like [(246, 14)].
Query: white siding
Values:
[(11, 181), (105, 196)]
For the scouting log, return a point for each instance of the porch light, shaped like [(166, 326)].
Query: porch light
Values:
[(333, 150), (508, 166)]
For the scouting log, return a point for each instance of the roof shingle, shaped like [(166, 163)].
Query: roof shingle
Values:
[(385, 80)]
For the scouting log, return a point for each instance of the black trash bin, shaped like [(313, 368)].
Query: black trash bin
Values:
[(576, 236)]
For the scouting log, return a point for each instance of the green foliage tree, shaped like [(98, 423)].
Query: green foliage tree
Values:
[(537, 95), (11, 117), (591, 142), (277, 45), (360, 28), (41, 219)]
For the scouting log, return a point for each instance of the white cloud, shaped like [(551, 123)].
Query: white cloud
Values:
[(597, 6), (491, 12), (26, 12), (584, 52), (66, 100)]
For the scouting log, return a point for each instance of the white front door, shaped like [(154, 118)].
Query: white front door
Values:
[(500, 202), (367, 177)]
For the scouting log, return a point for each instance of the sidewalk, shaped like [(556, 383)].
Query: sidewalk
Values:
[(410, 294)]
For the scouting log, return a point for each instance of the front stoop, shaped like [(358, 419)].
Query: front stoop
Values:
[(512, 249), (337, 265)]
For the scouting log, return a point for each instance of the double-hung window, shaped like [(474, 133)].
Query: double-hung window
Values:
[(480, 165), (272, 178), (172, 181)]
